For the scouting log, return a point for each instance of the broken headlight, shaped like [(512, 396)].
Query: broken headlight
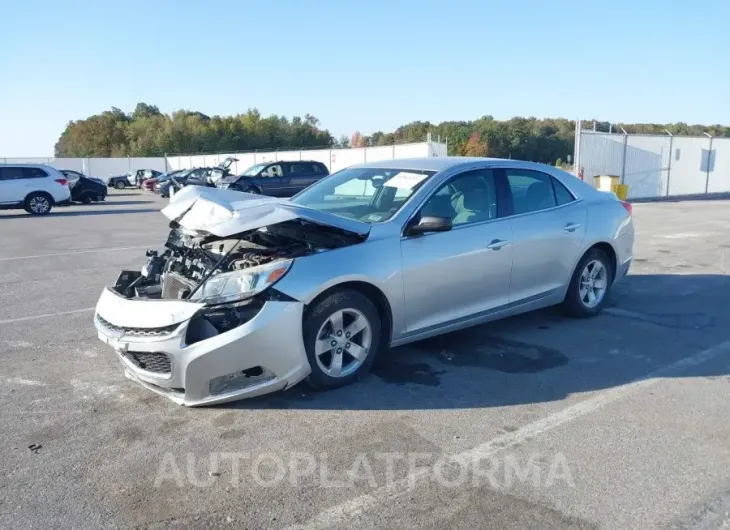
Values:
[(241, 284)]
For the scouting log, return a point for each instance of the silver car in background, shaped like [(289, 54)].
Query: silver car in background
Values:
[(253, 294)]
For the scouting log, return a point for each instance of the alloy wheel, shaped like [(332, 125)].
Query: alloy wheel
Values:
[(593, 283), (343, 342), (39, 205)]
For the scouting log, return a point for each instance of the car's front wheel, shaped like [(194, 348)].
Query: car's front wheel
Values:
[(590, 285), (120, 185), (38, 203), (252, 189), (341, 338)]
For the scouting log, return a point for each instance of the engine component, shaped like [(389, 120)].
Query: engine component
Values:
[(176, 286)]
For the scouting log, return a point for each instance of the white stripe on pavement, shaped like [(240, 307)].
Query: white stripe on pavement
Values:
[(89, 251), (338, 516), (46, 315)]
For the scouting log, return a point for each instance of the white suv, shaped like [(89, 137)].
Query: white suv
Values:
[(34, 187)]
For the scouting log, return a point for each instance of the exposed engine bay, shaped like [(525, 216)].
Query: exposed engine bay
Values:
[(190, 259)]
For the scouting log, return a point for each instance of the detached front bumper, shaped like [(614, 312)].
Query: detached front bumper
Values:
[(151, 339)]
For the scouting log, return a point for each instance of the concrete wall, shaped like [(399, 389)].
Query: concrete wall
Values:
[(334, 159), (95, 167)]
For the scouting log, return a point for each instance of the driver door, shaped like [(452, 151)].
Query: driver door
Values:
[(274, 182), (450, 277)]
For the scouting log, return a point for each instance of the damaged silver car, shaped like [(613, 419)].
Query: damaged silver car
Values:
[(253, 294)]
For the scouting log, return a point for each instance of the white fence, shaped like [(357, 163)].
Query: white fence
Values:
[(334, 159), (96, 167), (654, 165)]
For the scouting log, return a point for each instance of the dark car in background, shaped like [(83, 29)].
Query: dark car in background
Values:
[(133, 179), (84, 189), (149, 184), (277, 179), (199, 176), (179, 180)]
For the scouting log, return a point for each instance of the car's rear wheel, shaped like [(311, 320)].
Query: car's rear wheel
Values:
[(252, 189), (120, 185), (38, 203), (86, 198), (341, 338), (590, 286)]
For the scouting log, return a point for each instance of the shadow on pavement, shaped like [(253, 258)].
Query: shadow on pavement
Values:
[(653, 322), (117, 203)]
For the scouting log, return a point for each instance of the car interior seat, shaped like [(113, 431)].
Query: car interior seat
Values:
[(538, 197), (473, 201)]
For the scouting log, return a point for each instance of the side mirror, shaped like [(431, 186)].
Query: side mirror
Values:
[(429, 224)]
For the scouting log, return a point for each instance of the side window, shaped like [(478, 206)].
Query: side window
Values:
[(562, 195), (297, 169), (272, 171), (467, 198), (531, 190), (32, 173)]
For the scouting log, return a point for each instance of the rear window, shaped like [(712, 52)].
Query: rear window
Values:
[(562, 195), (18, 173)]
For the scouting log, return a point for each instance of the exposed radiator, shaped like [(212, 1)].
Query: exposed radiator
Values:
[(176, 286)]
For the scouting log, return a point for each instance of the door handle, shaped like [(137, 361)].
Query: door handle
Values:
[(571, 227), (496, 244)]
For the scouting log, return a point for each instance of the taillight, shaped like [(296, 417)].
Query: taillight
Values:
[(628, 207), (62, 182)]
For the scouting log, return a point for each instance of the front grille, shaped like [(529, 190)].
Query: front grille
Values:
[(156, 362), (175, 286), (138, 332)]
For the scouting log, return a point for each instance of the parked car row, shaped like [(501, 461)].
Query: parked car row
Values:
[(276, 179), (38, 188), (132, 179)]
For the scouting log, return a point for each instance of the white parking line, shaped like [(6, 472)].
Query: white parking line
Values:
[(46, 315), (338, 516), (90, 251)]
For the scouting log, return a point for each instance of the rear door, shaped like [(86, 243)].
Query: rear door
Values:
[(548, 227), (301, 175), (11, 188)]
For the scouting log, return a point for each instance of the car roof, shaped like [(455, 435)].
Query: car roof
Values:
[(438, 163), (44, 166)]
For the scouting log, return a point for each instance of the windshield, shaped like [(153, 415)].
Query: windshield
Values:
[(250, 172), (371, 195), (182, 174)]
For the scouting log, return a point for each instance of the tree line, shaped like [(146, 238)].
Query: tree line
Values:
[(148, 132)]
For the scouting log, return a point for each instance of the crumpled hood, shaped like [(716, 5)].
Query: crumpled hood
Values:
[(226, 212)]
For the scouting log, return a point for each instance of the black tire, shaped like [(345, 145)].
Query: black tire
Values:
[(86, 198), (38, 203), (315, 318), (120, 185), (252, 189), (573, 304)]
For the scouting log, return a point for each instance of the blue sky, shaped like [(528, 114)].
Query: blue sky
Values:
[(364, 66)]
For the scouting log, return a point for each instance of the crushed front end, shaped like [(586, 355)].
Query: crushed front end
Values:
[(201, 322)]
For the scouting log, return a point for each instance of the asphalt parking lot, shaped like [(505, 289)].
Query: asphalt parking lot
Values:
[(539, 421)]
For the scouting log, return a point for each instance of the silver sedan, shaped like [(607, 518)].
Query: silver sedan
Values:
[(253, 294)]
